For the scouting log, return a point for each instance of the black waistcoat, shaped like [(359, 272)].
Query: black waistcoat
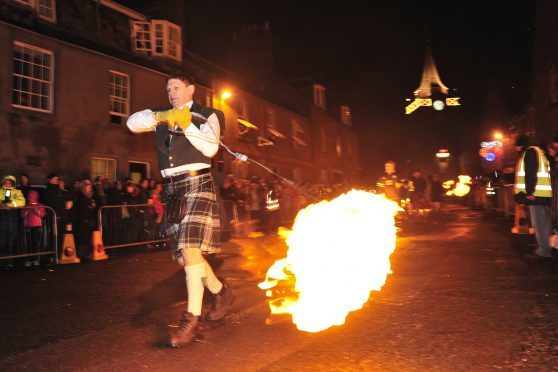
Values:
[(173, 150)]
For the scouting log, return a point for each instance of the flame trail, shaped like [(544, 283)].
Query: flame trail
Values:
[(338, 252)]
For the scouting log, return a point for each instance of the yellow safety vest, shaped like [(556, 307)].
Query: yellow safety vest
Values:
[(543, 188), (271, 202)]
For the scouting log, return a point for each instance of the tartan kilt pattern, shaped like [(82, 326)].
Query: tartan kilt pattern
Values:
[(200, 227)]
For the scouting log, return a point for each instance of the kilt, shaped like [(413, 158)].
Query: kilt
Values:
[(200, 227)]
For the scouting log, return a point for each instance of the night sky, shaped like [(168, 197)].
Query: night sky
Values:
[(369, 55)]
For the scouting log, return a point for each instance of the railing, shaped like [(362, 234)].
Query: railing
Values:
[(28, 232), (129, 225), (502, 200)]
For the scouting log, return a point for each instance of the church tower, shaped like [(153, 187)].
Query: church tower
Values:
[(431, 91)]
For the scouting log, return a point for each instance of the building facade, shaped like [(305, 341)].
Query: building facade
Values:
[(73, 71)]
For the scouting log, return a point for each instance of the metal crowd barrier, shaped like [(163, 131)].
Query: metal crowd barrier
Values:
[(20, 240), (129, 225), (239, 222), (137, 224), (502, 200)]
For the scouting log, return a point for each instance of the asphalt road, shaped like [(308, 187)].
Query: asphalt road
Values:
[(462, 296)]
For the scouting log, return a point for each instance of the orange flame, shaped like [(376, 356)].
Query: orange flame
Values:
[(338, 252)]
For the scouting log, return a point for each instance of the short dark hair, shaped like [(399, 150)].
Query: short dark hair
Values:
[(182, 76)]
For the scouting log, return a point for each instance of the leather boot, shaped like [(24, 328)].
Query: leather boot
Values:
[(188, 328), (221, 302)]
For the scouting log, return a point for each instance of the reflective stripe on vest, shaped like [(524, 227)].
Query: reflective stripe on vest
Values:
[(543, 188), (271, 204)]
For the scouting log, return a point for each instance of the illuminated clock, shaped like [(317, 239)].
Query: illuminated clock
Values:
[(438, 105)]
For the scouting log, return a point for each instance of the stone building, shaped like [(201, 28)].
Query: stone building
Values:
[(73, 71)]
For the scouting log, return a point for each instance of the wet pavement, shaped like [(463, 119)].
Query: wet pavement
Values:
[(462, 296)]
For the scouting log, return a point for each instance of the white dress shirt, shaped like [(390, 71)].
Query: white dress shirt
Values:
[(205, 139)]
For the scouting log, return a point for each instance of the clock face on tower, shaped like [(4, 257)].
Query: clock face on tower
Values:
[(438, 105)]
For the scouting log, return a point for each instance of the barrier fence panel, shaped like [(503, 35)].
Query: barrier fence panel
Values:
[(502, 200), (28, 232), (129, 225)]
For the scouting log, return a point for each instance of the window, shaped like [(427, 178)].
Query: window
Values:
[(25, 2), (119, 94), (46, 9), (338, 149), (319, 96), (103, 167), (240, 108), (346, 117), (271, 125), (209, 98), (297, 130), (141, 37), (139, 170), (32, 77), (270, 118), (158, 38)]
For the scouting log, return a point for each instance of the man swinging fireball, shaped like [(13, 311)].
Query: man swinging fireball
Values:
[(184, 151)]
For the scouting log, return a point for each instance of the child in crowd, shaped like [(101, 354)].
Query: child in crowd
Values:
[(33, 216)]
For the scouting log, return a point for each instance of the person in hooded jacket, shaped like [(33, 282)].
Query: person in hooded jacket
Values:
[(10, 198)]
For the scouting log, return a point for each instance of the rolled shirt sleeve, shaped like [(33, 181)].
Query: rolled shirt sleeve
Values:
[(206, 138), (142, 121)]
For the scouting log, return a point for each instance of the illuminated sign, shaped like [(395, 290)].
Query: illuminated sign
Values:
[(491, 150)]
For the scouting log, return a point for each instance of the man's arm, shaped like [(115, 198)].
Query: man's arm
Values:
[(206, 138), (142, 121)]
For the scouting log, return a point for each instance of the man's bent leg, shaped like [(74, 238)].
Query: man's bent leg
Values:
[(223, 295)]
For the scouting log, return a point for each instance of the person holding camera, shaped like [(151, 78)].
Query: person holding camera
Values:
[(10, 198)]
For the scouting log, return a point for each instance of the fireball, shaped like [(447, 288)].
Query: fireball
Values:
[(338, 252), (462, 187)]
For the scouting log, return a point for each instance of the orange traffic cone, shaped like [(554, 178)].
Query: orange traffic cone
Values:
[(98, 252), (521, 220), (69, 249)]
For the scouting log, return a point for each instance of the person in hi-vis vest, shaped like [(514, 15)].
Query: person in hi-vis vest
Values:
[(533, 188)]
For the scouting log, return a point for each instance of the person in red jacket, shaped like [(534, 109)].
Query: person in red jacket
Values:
[(33, 216)]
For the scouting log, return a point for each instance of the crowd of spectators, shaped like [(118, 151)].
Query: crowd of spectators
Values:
[(265, 203)]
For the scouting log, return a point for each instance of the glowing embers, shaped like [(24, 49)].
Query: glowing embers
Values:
[(338, 252)]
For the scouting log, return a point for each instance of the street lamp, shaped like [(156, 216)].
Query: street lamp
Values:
[(498, 136), (226, 94)]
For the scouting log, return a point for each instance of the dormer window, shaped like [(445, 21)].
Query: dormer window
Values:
[(157, 38), (45, 9), (346, 117), (319, 96)]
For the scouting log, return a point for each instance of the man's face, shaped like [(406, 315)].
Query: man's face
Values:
[(389, 168), (54, 180), (179, 93), (8, 184)]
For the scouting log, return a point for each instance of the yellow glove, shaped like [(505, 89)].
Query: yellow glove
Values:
[(181, 117)]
